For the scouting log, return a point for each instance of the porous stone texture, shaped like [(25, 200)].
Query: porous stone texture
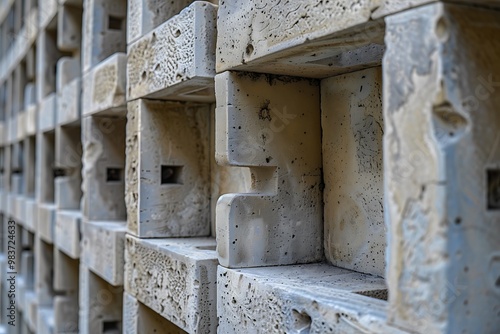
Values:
[(353, 127), (176, 61), (103, 249), (176, 278), (104, 87), (272, 125), (441, 169), (139, 319), (167, 169), (67, 232), (314, 298)]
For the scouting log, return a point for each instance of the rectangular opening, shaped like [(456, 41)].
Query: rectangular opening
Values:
[(114, 174), (493, 179), (114, 23), (171, 174), (59, 172), (111, 326)]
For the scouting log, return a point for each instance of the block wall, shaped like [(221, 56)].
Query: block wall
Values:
[(249, 166)]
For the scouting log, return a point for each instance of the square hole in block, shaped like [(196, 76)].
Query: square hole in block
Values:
[(493, 179), (114, 174), (171, 174), (59, 172), (110, 326), (114, 23)]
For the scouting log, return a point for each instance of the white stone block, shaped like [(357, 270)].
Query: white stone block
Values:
[(100, 305), (272, 125), (47, 113), (353, 128), (69, 24), (314, 298), (68, 90), (104, 30), (45, 320), (104, 87), (167, 169), (67, 232), (442, 168), (31, 220), (176, 278), (103, 141), (31, 119), (46, 221), (140, 319), (103, 247), (176, 61)]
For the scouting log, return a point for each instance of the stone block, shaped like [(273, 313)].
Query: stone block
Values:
[(103, 247), (31, 220), (27, 269), (104, 30), (29, 167), (104, 87), (12, 129), (67, 232), (45, 320), (45, 172), (31, 310), (167, 169), (47, 10), (353, 127), (69, 32), (3, 133), (44, 268), (272, 125), (31, 119), (65, 275), (66, 314), (46, 221), (47, 113), (176, 61), (103, 168), (68, 90), (140, 319), (176, 278), (313, 298), (100, 304), (441, 168), (21, 125)]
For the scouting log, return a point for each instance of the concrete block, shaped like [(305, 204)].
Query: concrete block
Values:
[(167, 169), (31, 220), (103, 247), (67, 232), (46, 221), (176, 278), (100, 304), (140, 319), (29, 167), (304, 41), (103, 168), (65, 275), (47, 113), (272, 125), (31, 119), (21, 125), (104, 31), (68, 90), (353, 127), (69, 33), (44, 270), (441, 166), (104, 87), (66, 314), (177, 60), (314, 298)]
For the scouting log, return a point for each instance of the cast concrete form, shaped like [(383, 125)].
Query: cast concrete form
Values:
[(250, 166)]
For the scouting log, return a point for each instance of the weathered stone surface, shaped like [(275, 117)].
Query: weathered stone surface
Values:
[(167, 169), (353, 127), (314, 298), (441, 116), (100, 305), (272, 125), (103, 246), (176, 61), (103, 141), (140, 319), (176, 278), (104, 87), (69, 33), (104, 31), (67, 232)]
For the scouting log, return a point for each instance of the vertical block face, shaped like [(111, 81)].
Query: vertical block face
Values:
[(104, 33), (272, 125), (176, 61), (70, 28), (104, 87), (167, 169), (104, 153), (140, 319), (176, 278), (67, 232), (47, 113), (353, 127), (68, 90), (441, 120), (43, 272)]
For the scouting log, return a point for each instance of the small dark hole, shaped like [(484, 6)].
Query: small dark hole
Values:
[(17, 171), (171, 174), (59, 172), (110, 326), (113, 174), (114, 23), (249, 49), (493, 191)]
